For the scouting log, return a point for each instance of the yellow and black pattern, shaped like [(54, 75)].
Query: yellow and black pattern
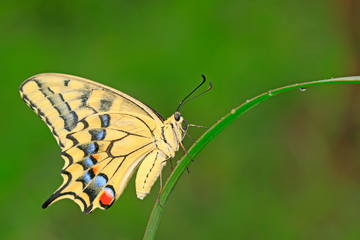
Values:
[(104, 135), (105, 159), (62, 101)]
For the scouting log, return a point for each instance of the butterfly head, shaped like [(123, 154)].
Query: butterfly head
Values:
[(177, 125), (180, 121), (172, 134), (178, 117)]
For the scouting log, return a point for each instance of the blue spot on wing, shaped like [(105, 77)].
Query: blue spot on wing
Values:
[(105, 120), (89, 162), (97, 134), (100, 134), (110, 190), (92, 148), (100, 181), (87, 177)]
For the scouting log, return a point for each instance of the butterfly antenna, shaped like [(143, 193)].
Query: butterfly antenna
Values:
[(183, 101)]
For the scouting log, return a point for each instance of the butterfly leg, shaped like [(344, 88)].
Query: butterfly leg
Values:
[(185, 152), (161, 182), (186, 134), (182, 146), (193, 125), (171, 165), (185, 130), (169, 159), (161, 188)]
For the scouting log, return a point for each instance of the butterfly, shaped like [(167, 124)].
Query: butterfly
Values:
[(104, 136)]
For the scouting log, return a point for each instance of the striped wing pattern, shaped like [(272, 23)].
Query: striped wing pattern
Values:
[(104, 134)]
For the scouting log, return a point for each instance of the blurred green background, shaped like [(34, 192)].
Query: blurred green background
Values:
[(287, 169)]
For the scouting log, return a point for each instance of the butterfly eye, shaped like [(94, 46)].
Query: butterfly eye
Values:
[(177, 116)]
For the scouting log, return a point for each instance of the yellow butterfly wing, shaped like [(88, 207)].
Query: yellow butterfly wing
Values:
[(104, 135)]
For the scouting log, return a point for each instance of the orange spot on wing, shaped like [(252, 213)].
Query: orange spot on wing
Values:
[(96, 170), (96, 156)]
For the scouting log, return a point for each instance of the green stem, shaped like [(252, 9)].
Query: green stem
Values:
[(210, 134)]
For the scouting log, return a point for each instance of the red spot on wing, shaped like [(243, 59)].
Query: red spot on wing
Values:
[(106, 198)]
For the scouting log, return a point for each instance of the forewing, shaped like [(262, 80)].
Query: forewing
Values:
[(62, 101)]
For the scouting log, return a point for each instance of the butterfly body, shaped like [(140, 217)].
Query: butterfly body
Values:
[(166, 139), (104, 136)]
